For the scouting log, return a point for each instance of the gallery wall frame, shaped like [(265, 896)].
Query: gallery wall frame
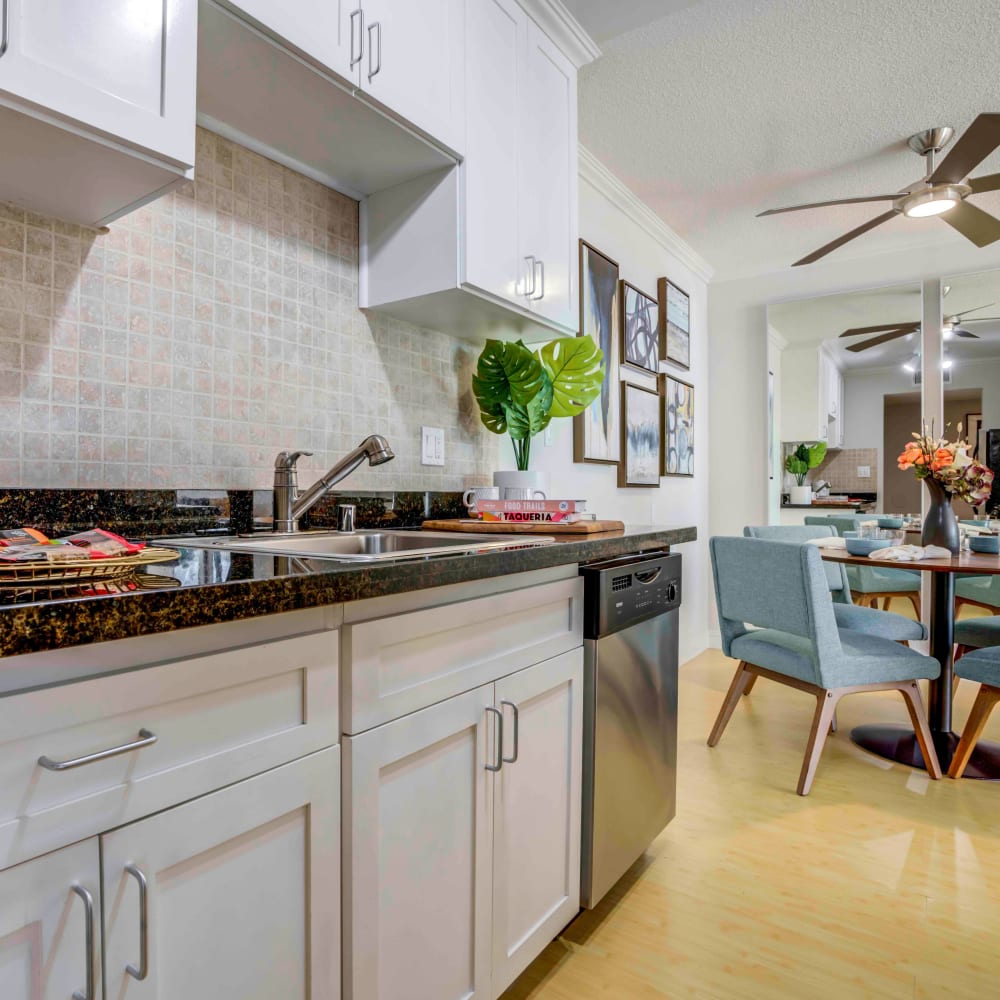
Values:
[(642, 433), (675, 318), (641, 328), (678, 426)]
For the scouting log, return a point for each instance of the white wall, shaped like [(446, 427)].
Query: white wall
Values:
[(612, 220)]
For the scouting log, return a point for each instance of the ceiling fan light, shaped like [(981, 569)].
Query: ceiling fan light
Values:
[(946, 363), (910, 365), (931, 201)]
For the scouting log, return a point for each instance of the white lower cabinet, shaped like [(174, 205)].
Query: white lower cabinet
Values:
[(50, 926), (459, 866), (235, 894)]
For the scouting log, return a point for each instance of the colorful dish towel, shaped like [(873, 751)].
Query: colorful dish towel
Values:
[(910, 553)]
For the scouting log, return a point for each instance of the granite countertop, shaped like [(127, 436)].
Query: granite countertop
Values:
[(205, 587), (856, 505)]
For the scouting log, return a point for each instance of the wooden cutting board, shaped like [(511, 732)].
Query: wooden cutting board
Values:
[(534, 528)]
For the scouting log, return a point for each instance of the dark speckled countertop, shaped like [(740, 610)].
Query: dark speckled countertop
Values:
[(207, 587)]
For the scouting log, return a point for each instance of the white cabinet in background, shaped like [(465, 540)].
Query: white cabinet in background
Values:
[(460, 866), (50, 925), (240, 891), (812, 390), (97, 103)]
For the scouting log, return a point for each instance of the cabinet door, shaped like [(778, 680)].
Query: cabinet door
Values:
[(50, 913), (124, 68), (536, 809), (327, 32), (414, 58), (548, 178), (242, 897), (417, 845), (496, 33)]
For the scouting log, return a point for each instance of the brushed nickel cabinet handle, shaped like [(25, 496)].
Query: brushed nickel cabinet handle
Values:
[(88, 916), (541, 294), (143, 969), (529, 290), (499, 757), (5, 29), (146, 739), (372, 73), (355, 59), (517, 731)]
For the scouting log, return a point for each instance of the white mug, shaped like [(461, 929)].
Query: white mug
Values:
[(522, 493), (476, 493)]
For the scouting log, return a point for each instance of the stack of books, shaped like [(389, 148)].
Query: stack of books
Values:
[(534, 511)]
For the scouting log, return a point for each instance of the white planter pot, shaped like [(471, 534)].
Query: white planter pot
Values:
[(534, 482), (801, 495)]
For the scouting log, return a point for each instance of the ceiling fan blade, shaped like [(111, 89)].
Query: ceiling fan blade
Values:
[(965, 312), (973, 223), (976, 143), (856, 331), (883, 339), (990, 182), (823, 204), (968, 334), (847, 237), (982, 319)]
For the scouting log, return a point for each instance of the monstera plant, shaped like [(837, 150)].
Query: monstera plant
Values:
[(519, 391)]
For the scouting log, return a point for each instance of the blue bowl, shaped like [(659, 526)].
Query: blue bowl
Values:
[(984, 543), (886, 521), (865, 546)]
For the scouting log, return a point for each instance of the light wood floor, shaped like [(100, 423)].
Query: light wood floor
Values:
[(880, 883)]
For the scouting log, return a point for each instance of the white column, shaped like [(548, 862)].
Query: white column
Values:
[(931, 391)]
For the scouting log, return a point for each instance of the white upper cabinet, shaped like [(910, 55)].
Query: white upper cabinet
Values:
[(327, 32), (547, 189), (124, 68), (412, 62), (50, 926)]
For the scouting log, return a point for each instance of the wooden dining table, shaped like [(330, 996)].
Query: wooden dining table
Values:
[(899, 743)]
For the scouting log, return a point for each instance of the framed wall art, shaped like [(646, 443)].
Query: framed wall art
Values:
[(641, 437), (675, 318), (640, 326), (678, 426), (597, 431)]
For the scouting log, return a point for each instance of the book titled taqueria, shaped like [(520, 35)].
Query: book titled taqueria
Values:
[(533, 516)]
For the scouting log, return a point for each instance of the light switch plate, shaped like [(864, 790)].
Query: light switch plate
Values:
[(432, 446), (864, 472)]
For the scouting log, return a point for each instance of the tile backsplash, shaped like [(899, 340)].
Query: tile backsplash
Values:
[(840, 469), (210, 330)]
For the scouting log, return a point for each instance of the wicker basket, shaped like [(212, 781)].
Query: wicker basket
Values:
[(77, 577)]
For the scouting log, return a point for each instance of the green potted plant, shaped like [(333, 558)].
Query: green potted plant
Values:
[(519, 391), (804, 458)]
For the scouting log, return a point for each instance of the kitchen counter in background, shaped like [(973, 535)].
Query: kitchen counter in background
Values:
[(208, 587)]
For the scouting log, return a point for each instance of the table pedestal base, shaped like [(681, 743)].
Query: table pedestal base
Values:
[(900, 744)]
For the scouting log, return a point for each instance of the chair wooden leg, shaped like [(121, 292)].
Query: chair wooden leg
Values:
[(750, 683), (915, 601), (961, 650), (833, 722), (826, 705), (886, 602), (984, 704), (959, 603), (740, 680), (915, 705)]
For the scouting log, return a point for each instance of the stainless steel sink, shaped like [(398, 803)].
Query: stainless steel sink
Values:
[(364, 546)]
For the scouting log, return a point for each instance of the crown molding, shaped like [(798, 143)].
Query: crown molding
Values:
[(564, 29), (597, 175)]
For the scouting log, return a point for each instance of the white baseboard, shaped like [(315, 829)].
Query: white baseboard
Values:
[(693, 645), (714, 638)]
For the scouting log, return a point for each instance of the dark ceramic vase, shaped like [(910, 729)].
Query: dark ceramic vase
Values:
[(940, 523)]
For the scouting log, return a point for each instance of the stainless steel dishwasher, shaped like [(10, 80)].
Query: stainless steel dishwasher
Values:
[(629, 712)]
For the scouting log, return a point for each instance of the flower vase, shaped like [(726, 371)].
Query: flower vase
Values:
[(940, 523)]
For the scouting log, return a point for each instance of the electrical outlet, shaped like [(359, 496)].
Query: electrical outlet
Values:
[(864, 472), (432, 446)]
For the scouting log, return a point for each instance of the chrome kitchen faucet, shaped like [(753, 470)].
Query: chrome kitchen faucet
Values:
[(289, 506)]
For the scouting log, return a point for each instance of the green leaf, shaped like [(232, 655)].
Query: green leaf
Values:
[(817, 452), (795, 465), (507, 375), (575, 367), (527, 421)]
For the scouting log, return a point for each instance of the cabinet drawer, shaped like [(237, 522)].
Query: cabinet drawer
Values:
[(393, 666), (216, 718)]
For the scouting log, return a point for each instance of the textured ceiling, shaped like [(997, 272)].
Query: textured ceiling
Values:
[(726, 107), (603, 20), (811, 321)]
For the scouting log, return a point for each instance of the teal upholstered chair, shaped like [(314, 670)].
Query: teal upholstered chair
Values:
[(777, 620), (869, 584), (849, 615), (977, 633), (983, 667), (980, 590)]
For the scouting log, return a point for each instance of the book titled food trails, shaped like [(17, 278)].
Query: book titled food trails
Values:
[(534, 516), (531, 506)]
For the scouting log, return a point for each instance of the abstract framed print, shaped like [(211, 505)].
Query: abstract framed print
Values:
[(597, 431), (678, 426), (641, 437), (640, 326), (675, 318)]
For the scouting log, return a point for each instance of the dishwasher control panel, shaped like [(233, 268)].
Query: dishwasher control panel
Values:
[(622, 592)]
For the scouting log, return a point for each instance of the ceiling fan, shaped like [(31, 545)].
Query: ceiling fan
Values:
[(890, 331), (941, 191)]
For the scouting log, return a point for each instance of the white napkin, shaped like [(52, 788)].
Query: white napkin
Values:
[(910, 553), (832, 542)]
